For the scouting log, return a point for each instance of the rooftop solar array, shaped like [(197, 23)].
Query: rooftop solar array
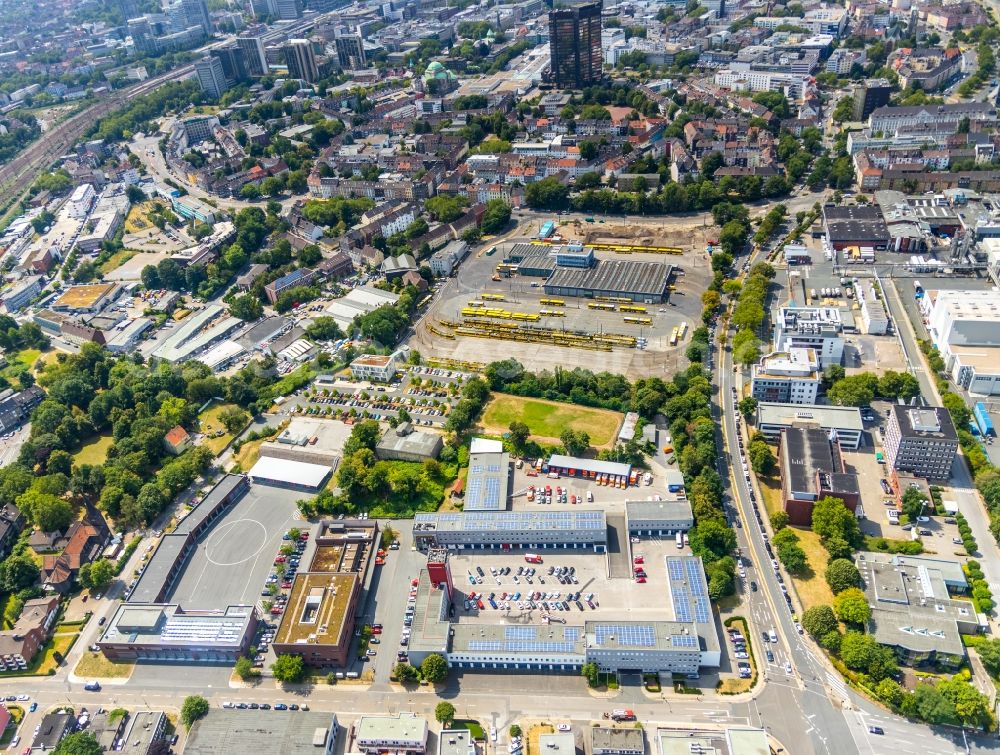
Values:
[(634, 635), (487, 483), (522, 646), (687, 590), (201, 631), (683, 641)]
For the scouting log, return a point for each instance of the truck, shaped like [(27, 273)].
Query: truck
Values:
[(680, 540), (547, 229), (623, 714), (918, 290), (532, 558)]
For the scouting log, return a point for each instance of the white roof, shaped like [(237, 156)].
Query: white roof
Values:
[(293, 472), (220, 353), (485, 446)]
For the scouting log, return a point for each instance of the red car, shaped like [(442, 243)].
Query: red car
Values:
[(276, 610), (304, 536), (279, 560), (638, 560), (640, 580), (376, 630), (415, 582), (286, 585), (480, 604)]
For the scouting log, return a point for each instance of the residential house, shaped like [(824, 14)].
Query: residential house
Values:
[(11, 524), (86, 540), (30, 632), (177, 440)]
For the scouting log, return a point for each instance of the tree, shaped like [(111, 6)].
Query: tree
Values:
[(761, 458), (514, 731), (193, 708), (819, 620), (495, 216), (576, 442), (233, 418), (288, 668), (519, 434), (434, 669), (851, 606), (444, 713), (989, 654), (747, 406), (404, 672), (547, 194), (779, 520), (841, 575), (245, 669), (914, 503), (712, 539), (18, 573), (246, 307), (791, 554), (831, 518), (79, 743), (854, 390), (889, 692), (97, 575), (591, 673)]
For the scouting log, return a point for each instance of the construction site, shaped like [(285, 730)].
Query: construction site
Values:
[(556, 300)]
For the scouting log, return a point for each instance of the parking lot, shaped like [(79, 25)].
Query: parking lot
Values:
[(610, 499), (231, 563), (585, 573)]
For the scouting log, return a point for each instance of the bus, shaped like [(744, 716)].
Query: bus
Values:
[(639, 320), (632, 308), (476, 304), (673, 337), (425, 301), (682, 331), (553, 302), (552, 313), (605, 306), (492, 297)]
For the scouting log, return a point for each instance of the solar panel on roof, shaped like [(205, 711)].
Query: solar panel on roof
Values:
[(702, 610), (519, 633), (571, 633), (683, 641), (636, 635)]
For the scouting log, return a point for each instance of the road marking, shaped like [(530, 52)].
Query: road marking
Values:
[(220, 532)]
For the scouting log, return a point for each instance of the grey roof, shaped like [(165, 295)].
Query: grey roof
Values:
[(225, 731), (404, 727), (209, 504), (805, 452), (554, 639), (54, 727), (487, 486), (616, 276), (590, 465), (913, 419), (504, 521), (411, 442), (557, 744), (456, 742), (152, 584), (617, 739), (839, 417), (169, 626), (637, 511)]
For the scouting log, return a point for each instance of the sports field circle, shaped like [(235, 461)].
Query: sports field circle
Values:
[(234, 543)]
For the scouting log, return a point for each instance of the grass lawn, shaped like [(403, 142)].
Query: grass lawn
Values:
[(118, 259), (548, 419), (210, 425), (138, 218), (19, 362), (814, 590), (474, 727), (95, 665), (249, 453), (95, 451)]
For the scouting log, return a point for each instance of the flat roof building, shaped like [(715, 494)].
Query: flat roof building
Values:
[(817, 328), (639, 281), (288, 473), (92, 297), (572, 529), (404, 443), (921, 440), (379, 368), (225, 731), (488, 485), (608, 740), (791, 377), (912, 608), (845, 421), (963, 324), (658, 518), (613, 471), (562, 743), (456, 742), (812, 467), (404, 734), (734, 740)]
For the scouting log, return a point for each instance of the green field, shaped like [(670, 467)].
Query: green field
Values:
[(548, 419), (211, 426), (94, 451)]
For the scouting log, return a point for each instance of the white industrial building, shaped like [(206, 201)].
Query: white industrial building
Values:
[(874, 320), (817, 328), (287, 473), (965, 327), (358, 301), (80, 201), (790, 377)]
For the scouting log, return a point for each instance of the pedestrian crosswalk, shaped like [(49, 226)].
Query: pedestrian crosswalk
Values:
[(838, 686)]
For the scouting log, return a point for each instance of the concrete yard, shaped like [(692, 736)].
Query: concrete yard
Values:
[(232, 561)]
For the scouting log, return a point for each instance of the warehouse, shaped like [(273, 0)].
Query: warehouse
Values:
[(287, 473), (855, 226), (658, 518), (403, 443), (610, 472), (488, 485), (512, 529), (845, 421), (639, 281)]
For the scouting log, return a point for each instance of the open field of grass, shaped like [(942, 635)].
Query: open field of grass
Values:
[(210, 424), (532, 737), (248, 454), (95, 451), (138, 218), (548, 419), (118, 259), (96, 666)]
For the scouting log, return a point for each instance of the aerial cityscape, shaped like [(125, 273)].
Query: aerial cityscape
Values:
[(628, 369)]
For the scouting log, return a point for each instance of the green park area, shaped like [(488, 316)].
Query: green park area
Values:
[(213, 424), (548, 419), (94, 451)]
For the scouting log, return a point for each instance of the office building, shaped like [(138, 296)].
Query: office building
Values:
[(351, 50), (404, 443), (211, 76), (222, 732), (842, 421), (789, 377), (607, 740), (234, 63), (286, 10), (403, 734), (575, 45), (816, 328), (301, 60), (253, 54), (658, 518), (913, 611), (18, 296), (963, 325), (870, 95), (537, 529), (812, 467), (921, 440), (196, 14), (379, 368), (874, 319)]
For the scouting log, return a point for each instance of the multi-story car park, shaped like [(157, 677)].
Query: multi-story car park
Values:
[(576, 528), (921, 440)]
